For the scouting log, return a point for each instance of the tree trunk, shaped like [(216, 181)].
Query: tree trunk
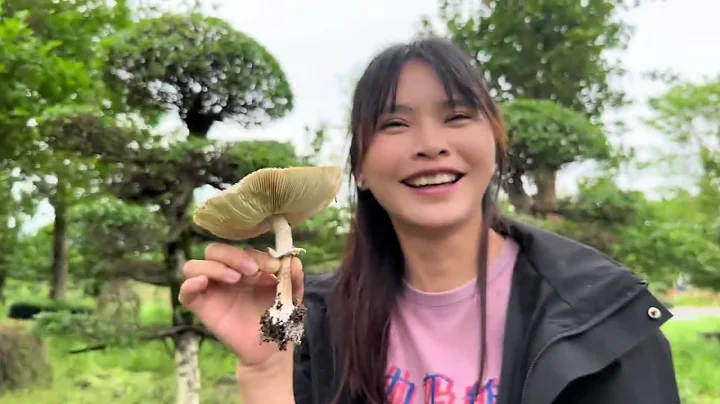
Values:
[(187, 343), (187, 368), (546, 202), (58, 285), (3, 279), (519, 199), (177, 249)]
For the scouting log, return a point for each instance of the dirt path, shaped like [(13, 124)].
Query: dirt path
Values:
[(692, 313)]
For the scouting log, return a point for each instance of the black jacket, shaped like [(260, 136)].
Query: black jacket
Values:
[(580, 330)]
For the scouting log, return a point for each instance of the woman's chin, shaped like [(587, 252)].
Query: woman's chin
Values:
[(435, 222)]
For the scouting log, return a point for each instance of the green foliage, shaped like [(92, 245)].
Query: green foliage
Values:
[(545, 135), (689, 115), (87, 132), (47, 58), (688, 112), (78, 24), (32, 256), (542, 49), (108, 234), (659, 249), (329, 229), (656, 239), (32, 76), (124, 329), (14, 207), (600, 200), (199, 66), (23, 360)]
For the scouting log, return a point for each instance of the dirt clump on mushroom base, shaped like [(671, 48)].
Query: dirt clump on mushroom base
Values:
[(283, 332)]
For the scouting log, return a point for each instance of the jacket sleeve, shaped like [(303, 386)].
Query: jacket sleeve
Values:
[(302, 377), (645, 375), (304, 385)]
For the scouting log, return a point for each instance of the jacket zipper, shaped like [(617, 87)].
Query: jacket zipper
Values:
[(574, 331)]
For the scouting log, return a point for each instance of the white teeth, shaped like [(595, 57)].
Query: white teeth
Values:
[(437, 179)]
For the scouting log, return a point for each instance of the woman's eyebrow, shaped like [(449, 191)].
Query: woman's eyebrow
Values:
[(443, 105)]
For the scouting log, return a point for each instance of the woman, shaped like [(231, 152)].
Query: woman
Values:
[(438, 299)]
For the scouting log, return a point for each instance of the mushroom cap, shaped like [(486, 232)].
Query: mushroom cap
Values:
[(297, 193)]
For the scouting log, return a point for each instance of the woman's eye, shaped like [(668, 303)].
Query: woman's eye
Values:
[(457, 117), (392, 124)]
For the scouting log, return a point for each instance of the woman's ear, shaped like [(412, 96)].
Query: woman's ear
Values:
[(360, 182)]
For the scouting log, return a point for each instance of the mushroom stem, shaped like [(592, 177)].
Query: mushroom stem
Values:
[(283, 251), (283, 321), (283, 234)]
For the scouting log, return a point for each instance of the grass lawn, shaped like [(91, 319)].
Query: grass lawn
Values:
[(696, 360), (141, 375), (145, 374)]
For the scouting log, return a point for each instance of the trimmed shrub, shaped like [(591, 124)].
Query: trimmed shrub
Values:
[(24, 362)]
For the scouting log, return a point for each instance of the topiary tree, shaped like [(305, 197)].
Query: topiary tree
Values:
[(70, 33), (200, 67), (539, 49), (24, 362), (543, 137), (205, 71)]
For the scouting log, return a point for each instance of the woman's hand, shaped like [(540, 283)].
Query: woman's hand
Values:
[(229, 291)]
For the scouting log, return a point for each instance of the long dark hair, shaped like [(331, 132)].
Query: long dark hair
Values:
[(372, 270)]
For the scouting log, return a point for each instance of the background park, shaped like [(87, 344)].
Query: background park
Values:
[(117, 118)]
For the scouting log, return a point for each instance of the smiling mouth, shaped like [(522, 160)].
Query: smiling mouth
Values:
[(433, 180)]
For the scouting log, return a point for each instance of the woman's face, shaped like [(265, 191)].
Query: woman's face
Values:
[(429, 163)]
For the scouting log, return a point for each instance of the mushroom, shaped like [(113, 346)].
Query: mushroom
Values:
[(274, 199)]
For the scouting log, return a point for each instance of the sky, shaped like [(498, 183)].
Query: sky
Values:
[(323, 45)]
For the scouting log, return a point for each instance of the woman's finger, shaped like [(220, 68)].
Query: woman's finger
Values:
[(214, 270), (247, 262), (260, 279), (191, 291), (265, 262), (297, 276)]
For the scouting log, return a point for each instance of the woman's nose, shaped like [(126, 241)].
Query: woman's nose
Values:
[(430, 143)]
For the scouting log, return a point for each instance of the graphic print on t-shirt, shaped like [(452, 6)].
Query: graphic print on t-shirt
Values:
[(434, 347), (436, 389)]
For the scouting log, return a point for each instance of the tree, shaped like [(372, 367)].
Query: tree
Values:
[(652, 238), (540, 49), (116, 240), (73, 30), (543, 137), (204, 70), (11, 215), (72, 175), (689, 115), (32, 76), (540, 58)]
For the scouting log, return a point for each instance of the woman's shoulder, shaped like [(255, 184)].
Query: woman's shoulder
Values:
[(583, 277), (557, 256)]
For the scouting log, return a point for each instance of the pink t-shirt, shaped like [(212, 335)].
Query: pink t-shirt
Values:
[(434, 351)]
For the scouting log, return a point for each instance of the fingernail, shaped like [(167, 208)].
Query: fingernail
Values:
[(231, 276), (248, 266)]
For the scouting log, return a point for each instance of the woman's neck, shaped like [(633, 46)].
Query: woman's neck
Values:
[(441, 261)]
